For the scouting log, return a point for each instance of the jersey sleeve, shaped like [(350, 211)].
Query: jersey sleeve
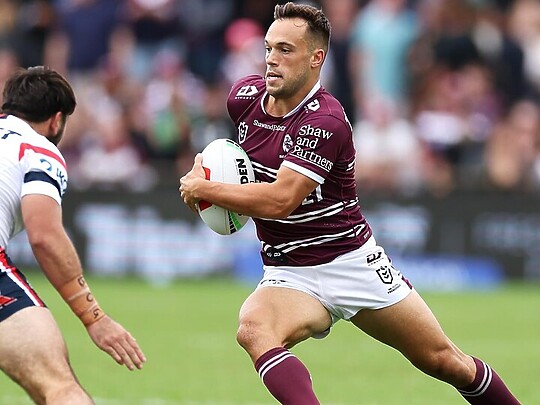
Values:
[(45, 172), (317, 145), (243, 93)]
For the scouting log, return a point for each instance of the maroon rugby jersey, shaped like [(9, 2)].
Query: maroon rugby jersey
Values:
[(315, 139)]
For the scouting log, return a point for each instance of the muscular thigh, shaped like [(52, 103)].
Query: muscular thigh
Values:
[(408, 326), (284, 316), (32, 350)]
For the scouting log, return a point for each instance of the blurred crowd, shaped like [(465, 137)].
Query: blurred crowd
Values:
[(443, 95)]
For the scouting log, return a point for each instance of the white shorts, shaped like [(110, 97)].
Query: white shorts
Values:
[(363, 278)]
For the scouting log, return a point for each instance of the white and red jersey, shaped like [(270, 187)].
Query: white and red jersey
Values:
[(315, 139), (29, 164)]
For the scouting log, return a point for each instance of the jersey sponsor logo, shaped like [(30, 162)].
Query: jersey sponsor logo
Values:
[(5, 133), (312, 157), (307, 142), (314, 105), (385, 274), (242, 132), (58, 173), (246, 91), (271, 127), (310, 130)]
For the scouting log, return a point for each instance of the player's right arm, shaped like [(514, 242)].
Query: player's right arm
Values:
[(59, 261), (261, 200)]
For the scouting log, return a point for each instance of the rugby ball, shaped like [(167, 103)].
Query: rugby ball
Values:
[(225, 161)]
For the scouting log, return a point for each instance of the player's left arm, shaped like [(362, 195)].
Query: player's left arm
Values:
[(260, 200), (59, 261)]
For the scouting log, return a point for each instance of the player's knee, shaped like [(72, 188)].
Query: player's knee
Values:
[(251, 334), (246, 335), (445, 365)]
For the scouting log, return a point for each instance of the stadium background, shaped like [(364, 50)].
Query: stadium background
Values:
[(443, 95)]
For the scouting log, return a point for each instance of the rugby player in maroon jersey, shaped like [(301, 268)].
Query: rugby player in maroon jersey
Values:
[(321, 261)]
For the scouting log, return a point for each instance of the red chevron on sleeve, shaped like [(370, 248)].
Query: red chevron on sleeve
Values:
[(26, 146)]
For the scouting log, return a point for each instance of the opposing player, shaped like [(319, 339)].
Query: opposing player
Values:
[(321, 261), (36, 105)]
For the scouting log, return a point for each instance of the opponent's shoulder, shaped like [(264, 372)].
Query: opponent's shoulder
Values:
[(29, 143)]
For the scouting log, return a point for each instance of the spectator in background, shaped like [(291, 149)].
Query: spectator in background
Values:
[(342, 14), (33, 22), (155, 27), (444, 41), (110, 159), (212, 122), (511, 156), (524, 27), (8, 63), (205, 22), (244, 53), (501, 54), (381, 37), (83, 35), (453, 115), (388, 152), (165, 108)]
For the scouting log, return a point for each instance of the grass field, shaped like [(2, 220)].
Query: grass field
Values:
[(187, 330)]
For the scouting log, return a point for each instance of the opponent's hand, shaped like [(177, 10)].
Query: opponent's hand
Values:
[(112, 338), (189, 183)]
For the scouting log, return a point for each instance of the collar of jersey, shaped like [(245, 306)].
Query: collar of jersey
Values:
[(20, 125), (295, 109)]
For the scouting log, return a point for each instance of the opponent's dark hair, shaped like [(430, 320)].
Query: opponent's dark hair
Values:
[(37, 93), (318, 25)]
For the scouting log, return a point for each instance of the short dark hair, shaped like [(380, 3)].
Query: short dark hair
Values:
[(318, 25), (37, 93)]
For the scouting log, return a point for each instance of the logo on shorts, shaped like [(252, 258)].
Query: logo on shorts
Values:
[(385, 274), (272, 282), (274, 254), (374, 257), (4, 301)]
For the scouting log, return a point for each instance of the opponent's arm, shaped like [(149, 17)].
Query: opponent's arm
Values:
[(59, 261), (261, 200)]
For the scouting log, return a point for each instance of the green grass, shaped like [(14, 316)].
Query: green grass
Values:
[(187, 330)]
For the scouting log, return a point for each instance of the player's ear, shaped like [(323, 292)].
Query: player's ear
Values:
[(55, 122), (317, 58)]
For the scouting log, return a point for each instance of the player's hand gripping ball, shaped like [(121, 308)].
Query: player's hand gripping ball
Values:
[(225, 161)]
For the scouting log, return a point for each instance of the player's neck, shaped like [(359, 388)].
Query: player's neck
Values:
[(279, 107)]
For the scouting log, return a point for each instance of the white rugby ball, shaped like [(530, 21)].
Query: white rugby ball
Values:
[(225, 161)]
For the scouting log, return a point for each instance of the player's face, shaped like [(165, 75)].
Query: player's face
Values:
[(288, 58)]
